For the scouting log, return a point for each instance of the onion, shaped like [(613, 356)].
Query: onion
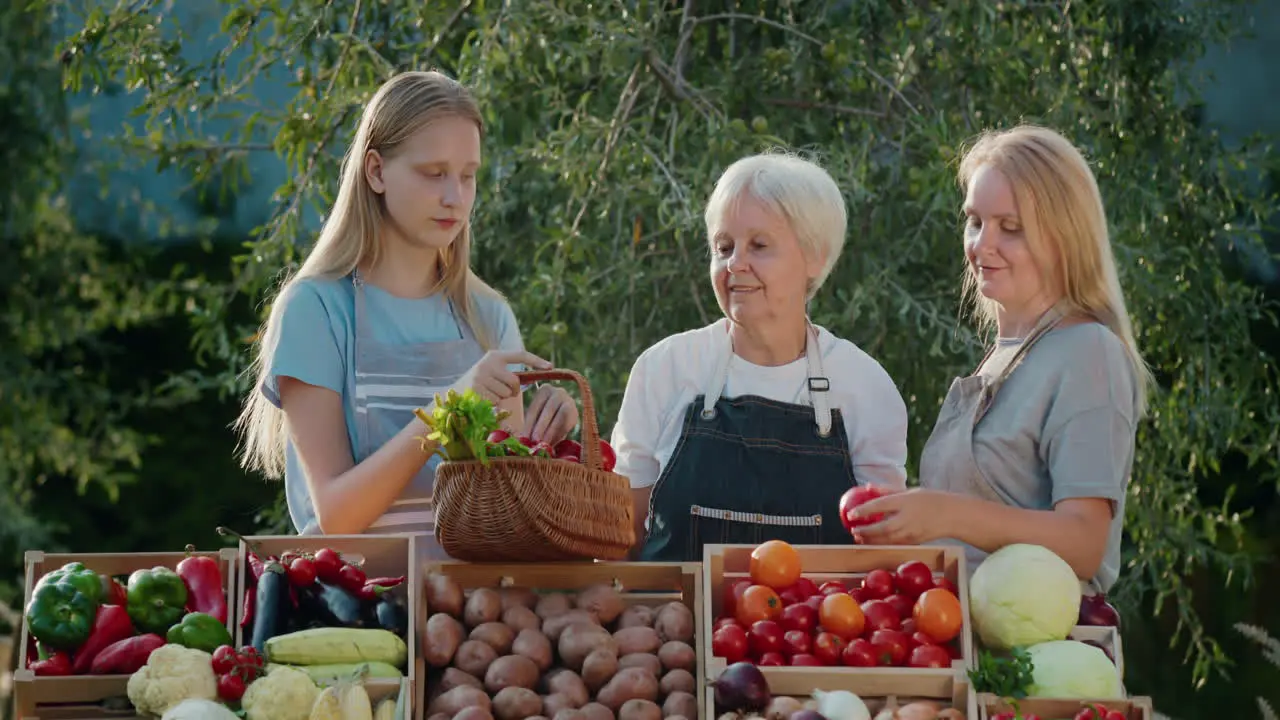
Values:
[(741, 687), (841, 705), (808, 715), (917, 711), (1101, 647), (1096, 611)]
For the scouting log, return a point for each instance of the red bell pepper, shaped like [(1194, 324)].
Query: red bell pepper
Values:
[(203, 578), (110, 625), (56, 665), (126, 656), (113, 593)]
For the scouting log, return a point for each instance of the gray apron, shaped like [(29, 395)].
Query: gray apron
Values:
[(947, 462), (390, 382)]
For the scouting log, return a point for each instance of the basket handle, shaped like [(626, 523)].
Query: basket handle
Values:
[(590, 431)]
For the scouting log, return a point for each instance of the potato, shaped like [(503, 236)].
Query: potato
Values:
[(553, 627), (474, 657), (453, 677), (566, 682), (535, 646), (511, 671), (521, 618), (645, 661), (640, 710), (443, 595), (553, 604), (459, 699), (676, 681), (498, 636), (474, 713), (636, 616), (441, 716), (674, 622), (516, 703), (682, 703), (637, 640), (484, 605), (580, 639), (599, 668), (441, 638), (782, 707), (628, 684), (554, 703), (596, 711), (570, 713), (518, 597), (676, 655), (603, 601)]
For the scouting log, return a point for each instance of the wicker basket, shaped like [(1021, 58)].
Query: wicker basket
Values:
[(528, 509)]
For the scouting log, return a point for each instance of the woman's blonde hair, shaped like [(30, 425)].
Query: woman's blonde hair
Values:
[(351, 237), (1065, 223)]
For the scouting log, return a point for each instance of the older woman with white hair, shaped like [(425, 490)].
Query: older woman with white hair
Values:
[(751, 428)]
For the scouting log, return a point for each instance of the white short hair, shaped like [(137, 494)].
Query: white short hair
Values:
[(798, 190)]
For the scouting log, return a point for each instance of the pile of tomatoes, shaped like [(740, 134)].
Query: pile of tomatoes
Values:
[(900, 618), (1088, 712)]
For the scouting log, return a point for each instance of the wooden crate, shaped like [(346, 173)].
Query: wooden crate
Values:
[(875, 689), (722, 564), (380, 556), (1134, 708), (640, 583), (31, 692)]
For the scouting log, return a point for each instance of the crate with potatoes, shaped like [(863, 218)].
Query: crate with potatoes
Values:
[(562, 640)]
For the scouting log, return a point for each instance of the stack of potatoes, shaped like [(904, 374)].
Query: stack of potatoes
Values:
[(513, 654)]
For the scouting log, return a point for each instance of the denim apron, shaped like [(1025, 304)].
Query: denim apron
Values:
[(750, 469), (390, 381)]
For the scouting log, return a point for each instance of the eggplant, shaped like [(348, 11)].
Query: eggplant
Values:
[(327, 605), (271, 609), (390, 614)]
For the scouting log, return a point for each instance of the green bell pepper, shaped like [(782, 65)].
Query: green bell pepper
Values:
[(60, 615), (157, 599), (199, 631), (88, 582)]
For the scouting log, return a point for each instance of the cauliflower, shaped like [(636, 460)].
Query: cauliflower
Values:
[(173, 673), (286, 693), (199, 710)]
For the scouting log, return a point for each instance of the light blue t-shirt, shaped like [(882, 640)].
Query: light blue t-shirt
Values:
[(317, 346)]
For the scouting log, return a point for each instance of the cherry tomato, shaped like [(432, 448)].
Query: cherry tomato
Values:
[(758, 603), (498, 436), (828, 647), (841, 615), (730, 643), (815, 601), (772, 659), (775, 564), (799, 617), (806, 587), (351, 577), (908, 626), (765, 636), (901, 605), (791, 596), (732, 594), (880, 615), (796, 642), (608, 458), (724, 622), (832, 586), (806, 660), (860, 653), (328, 564), (250, 655), (301, 572), (919, 638), (230, 687), (947, 585), (937, 614), (929, 656), (912, 578), (890, 646), (224, 659), (878, 584)]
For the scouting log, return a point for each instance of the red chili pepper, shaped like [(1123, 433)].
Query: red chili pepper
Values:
[(246, 610), (256, 565), (385, 582), (113, 593), (56, 665), (203, 578), (351, 578), (110, 625), (126, 656)]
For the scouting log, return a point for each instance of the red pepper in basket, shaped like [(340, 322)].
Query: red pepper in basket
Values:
[(203, 578), (110, 625), (386, 582), (113, 593), (246, 610), (56, 665), (126, 656)]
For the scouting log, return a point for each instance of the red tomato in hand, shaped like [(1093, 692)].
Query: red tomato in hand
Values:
[(890, 646), (799, 617), (901, 605), (772, 659), (880, 615), (852, 498), (730, 643), (828, 647), (860, 653), (732, 594), (929, 656), (878, 584), (765, 636), (912, 578), (758, 603), (796, 642)]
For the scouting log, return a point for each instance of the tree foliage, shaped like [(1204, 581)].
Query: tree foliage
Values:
[(609, 122)]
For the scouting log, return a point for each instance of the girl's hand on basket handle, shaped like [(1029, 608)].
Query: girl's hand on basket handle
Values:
[(551, 415), (492, 377)]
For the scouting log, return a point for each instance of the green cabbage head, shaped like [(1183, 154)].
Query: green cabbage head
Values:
[(1022, 595), (1071, 669)]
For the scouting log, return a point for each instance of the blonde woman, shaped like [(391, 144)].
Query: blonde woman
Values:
[(752, 428), (384, 314), (1036, 446)]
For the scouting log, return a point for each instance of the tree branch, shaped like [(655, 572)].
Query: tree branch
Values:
[(763, 21), (807, 105)]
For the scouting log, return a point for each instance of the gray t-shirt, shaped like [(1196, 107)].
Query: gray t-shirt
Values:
[(1063, 426)]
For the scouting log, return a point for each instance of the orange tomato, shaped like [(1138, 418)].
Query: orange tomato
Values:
[(937, 614), (840, 615), (775, 564), (758, 603)]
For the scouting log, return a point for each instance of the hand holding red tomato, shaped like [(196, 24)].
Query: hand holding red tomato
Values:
[(912, 517), (551, 415)]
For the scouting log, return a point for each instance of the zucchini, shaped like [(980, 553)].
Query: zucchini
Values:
[(333, 674), (336, 646)]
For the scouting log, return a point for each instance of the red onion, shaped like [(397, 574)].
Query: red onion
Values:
[(741, 687), (1103, 648), (1095, 610)]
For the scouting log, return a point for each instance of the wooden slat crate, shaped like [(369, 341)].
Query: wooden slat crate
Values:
[(30, 692), (379, 555), (875, 689), (1134, 708), (723, 564), (639, 583)]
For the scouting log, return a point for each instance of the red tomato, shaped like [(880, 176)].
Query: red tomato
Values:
[(799, 617), (860, 595), (852, 498), (567, 448), (832, 586), (608, 458), (791, 596), (828, 647), (772, 659), (815, 601), (919, 638), (947, 585), (1099, 712), (796, 642), (841, 615), (878, 584), (758, 603), (901, 605), (937, 614), (859, 653), (725, 621), (497, 436), (909, 626), (806, 587), (732, 594), (880, 615), (775, 564), (953, 648), (765, 636), (912, 578), (730, 643), (929, 656), (891, 647), (806, 660)]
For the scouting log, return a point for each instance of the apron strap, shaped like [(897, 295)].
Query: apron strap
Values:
[(1047, 323)]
